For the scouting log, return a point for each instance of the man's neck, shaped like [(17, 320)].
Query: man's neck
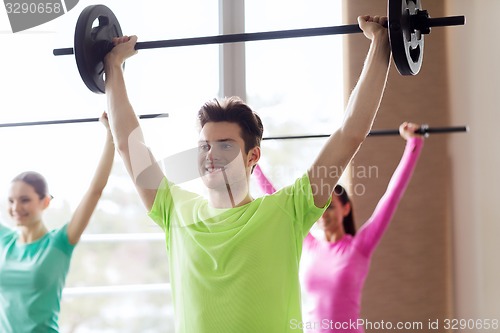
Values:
[(230, 197)]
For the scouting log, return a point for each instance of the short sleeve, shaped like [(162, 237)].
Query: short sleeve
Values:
[(161, 205), (61, 240), (3, 228), (5, 231), (299, 202), (171, 201)]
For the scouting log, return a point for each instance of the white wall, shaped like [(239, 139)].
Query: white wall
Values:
[(474, 64)]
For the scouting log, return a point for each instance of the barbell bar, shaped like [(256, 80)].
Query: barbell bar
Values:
[(407, 23), (72, 121), (268, 35), (423, 130)]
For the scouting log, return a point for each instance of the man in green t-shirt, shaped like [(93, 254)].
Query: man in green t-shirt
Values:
[(234, 259)]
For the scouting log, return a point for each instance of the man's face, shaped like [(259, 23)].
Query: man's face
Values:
[(222, 160)]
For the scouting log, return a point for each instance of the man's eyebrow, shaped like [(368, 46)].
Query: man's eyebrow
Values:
[(220, 140)]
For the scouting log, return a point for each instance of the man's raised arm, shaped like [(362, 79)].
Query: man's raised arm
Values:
[(360, 112), (128, 136)]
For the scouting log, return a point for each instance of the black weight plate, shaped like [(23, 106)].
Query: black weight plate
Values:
[(407, 44), (93, 43)]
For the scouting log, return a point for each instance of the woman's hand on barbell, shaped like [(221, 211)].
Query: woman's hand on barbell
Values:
[(408, 130)]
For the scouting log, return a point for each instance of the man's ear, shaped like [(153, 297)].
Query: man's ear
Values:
[(253, 157)]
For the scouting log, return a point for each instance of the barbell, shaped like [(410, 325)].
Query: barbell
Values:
[(423, 130), (73, 121), (407, 25)]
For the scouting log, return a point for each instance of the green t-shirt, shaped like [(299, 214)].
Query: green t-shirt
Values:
[(31, 281), (235, 270)]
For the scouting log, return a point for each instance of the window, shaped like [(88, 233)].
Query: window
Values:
[(118, 281), (296, 85)]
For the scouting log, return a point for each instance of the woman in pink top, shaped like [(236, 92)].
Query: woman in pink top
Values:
[(334, 266)]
